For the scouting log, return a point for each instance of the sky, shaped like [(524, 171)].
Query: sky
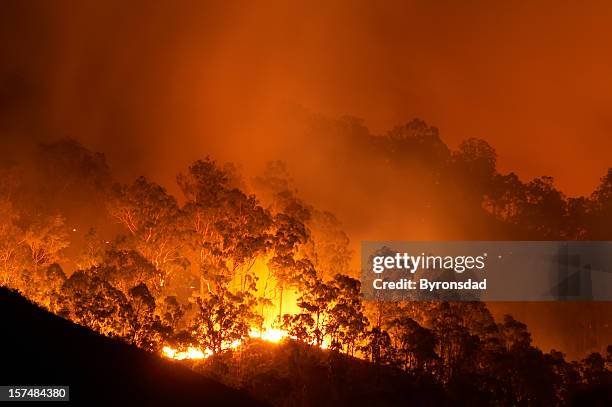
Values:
[(156, 85)]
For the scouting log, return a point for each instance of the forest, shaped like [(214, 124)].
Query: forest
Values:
[(248, 283)]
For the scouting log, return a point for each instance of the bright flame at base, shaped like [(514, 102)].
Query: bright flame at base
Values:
[(190, 353), (268, 335)]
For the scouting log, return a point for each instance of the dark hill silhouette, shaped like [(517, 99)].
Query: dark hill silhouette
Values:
[(39, 348)]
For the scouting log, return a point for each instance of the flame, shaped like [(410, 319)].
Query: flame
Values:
[(269, 335), (190, 353), (269, 313)]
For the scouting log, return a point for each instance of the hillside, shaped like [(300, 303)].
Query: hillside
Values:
[(42, 349)]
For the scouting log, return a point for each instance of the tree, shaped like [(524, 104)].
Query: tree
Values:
[(378, 348), (417, 146), (93, 302), (477, 158), (316, 301), (12, 250), (67, 164), (289, 234), (414, 345), (332, 314), (152, 218), (288, 272), (146, 326), (537, 207), (473, 167), (43, 285), (330, 250), (45, 237), (505, 198), (455, 345), (599, 213), (124, 269), (347, 322), (514, 333), (93, 251), (593, 369), (223, 318), (544, 208), (228, 229), (171, 313)]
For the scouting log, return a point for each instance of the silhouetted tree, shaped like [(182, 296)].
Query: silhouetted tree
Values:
[(223, 318), (414, 345)]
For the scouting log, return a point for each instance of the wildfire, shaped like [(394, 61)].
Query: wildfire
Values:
[(190, 353), (268, 335)]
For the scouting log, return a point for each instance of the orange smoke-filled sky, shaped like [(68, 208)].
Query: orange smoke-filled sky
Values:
[(158, 84)]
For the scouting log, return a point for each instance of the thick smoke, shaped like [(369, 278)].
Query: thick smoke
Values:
[(157, 85)]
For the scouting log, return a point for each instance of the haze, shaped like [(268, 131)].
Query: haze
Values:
[(155, 85)]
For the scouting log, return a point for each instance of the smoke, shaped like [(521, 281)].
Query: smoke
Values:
[(156, 85)]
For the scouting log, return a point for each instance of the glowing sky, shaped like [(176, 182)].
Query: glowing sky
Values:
[(183, 80)]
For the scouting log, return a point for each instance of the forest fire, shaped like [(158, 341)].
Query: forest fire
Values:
[(149, 254), (221, 269), (269, 335), (190, 353)]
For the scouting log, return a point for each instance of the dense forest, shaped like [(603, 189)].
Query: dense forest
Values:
[(254, 286)]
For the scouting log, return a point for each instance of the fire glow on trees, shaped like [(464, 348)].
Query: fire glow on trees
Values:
[(193, 279), (218, 268)]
